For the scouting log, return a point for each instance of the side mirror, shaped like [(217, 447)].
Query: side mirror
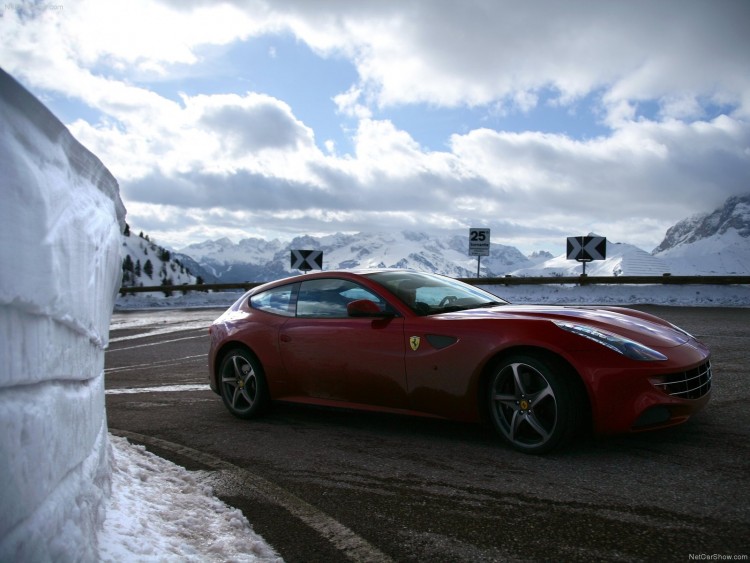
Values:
[(365, 308)]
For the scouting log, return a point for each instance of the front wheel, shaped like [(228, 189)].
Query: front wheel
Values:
[(243, 387), (535, 403)]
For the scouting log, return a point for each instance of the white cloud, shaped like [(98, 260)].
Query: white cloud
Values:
[(223, 159), (349, 104), (477, 52)]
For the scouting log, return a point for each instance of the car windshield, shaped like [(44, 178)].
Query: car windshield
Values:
[(429, 294)]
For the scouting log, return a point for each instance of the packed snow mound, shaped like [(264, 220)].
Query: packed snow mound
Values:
[(163, 512), (60, 225)]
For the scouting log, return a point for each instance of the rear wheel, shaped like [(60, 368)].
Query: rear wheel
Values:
[(535, 403), (243, 386)]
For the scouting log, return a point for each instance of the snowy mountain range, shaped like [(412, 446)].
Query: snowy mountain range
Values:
[(715, 243), (255, 259)]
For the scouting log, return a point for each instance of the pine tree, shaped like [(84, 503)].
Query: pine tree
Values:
[(165, 282), (127, 270), (148, 269)]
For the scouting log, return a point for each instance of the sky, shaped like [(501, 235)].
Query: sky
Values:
[(538, 119)]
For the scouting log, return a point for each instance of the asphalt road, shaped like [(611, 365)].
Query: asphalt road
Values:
[(327, 485)]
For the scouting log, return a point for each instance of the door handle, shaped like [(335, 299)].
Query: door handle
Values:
[(285, 338)]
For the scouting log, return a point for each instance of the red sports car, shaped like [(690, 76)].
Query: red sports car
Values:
[(415, 343)]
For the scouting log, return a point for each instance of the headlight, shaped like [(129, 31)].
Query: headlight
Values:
[(628, 348)]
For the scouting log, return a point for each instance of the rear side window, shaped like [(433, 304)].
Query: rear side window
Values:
[(328, 297), (277, 301)]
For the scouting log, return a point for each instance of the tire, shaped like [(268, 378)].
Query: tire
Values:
[(242, 384), (536, 403)]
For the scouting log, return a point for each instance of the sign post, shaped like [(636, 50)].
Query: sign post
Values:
[(307, 260), (479, 244), (586, 249)]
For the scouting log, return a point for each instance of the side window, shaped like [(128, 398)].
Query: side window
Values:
[(276, 301), (328, 298)]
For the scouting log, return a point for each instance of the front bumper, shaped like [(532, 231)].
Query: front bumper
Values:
[(651, 395)]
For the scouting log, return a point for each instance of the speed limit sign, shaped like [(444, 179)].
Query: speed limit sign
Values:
[(479, 242)]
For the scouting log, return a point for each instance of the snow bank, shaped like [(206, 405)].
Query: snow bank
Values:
[(160, 511), (60, 225), (674, 295)]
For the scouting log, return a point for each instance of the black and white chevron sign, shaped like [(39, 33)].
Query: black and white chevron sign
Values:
[(585, 249), (307, 260)]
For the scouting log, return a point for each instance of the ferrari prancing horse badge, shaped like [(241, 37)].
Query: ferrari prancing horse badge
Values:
[(414, 342)]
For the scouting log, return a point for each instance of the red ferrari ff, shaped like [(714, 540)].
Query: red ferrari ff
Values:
[(415, 343)]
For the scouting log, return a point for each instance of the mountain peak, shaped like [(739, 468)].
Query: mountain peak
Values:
[(734, 214)]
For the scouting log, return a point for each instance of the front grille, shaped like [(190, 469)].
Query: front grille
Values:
[(691, 384)]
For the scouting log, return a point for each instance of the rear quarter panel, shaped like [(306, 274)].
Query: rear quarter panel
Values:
[(258, 332)]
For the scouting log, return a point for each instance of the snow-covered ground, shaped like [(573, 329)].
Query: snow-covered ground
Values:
[(159, 511)]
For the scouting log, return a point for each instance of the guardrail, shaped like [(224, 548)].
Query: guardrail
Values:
[(666, 279), (244, 286)]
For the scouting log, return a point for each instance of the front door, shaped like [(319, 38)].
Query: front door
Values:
[(333, 357)]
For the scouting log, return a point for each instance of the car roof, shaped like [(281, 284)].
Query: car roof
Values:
[(318, 274)]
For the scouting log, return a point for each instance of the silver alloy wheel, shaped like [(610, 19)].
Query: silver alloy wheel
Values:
[(524, 406), (240, 384)]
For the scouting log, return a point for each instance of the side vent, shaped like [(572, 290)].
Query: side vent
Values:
[(439, 341)]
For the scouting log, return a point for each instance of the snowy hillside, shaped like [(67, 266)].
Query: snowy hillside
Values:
[(145, 263), (715, 243), (727, 254), (622, 259)]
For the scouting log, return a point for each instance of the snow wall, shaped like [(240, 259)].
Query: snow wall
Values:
[(60, 223)]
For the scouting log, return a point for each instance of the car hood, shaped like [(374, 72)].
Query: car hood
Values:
[(624, 322)]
